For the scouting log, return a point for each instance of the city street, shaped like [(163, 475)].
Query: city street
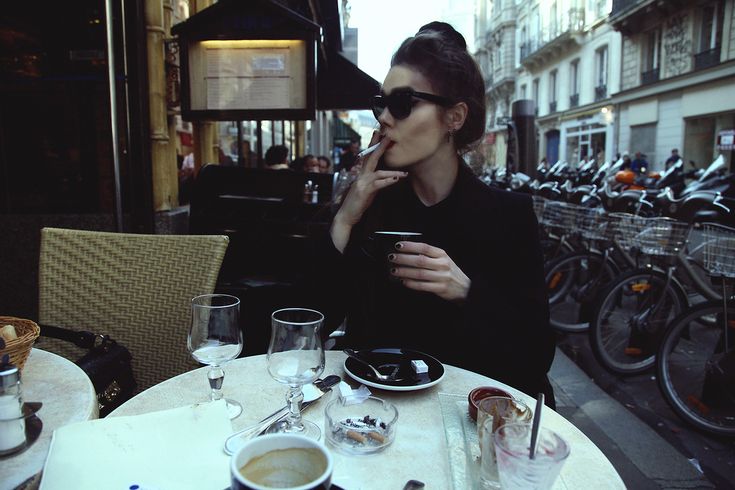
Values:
[(635, 428)]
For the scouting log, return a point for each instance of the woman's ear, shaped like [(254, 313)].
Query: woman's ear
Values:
[(455, 116)]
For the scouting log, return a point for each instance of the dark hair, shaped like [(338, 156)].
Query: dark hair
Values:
[(276, 154), (440, 54)]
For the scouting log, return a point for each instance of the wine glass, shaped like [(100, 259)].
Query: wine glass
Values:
[(215, 338), (296, 357)]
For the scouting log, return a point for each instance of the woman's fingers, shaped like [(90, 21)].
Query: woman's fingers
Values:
[(420, 249), (371, 162)]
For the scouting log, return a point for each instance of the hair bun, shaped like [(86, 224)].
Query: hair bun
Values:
[(446, 31)]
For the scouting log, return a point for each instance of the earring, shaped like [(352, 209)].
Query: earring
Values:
[(450, 134)]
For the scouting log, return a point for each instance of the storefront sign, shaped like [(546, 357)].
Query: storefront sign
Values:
[(726, 139)]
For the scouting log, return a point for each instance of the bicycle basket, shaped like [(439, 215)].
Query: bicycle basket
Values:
[(661, 236), (623, 227), (592, 223), (559, 215), (539, 203), (719, 249)]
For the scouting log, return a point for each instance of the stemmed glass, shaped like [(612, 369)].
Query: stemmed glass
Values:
[(296, 357), (215, 338)]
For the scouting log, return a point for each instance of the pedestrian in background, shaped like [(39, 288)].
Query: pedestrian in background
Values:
[(639, 163), (276, 158)]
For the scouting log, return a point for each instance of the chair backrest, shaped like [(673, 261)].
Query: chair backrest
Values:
[(135, 288)]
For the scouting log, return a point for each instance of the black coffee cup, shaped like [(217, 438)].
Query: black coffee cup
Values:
[(382, 243)]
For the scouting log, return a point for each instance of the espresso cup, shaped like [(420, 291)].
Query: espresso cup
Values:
[(284, 461)]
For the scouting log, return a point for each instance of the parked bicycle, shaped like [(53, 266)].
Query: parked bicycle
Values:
[(695, 362), (633, 311)]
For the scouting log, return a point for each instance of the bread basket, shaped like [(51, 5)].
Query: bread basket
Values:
[(19, 349)]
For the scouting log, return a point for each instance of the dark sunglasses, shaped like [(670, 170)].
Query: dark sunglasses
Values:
[(400, 102)]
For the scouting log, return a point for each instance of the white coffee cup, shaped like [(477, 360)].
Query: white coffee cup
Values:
[(286, 461)]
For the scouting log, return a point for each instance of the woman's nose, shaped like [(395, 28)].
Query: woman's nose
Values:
[(386, 118)]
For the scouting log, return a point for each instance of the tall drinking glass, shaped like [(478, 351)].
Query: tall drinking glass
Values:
[(296, 357), (215, 338)]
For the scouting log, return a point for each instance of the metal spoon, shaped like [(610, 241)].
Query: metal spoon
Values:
[(380, 376)]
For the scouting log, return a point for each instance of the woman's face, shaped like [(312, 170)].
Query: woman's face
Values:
[(419, 136)]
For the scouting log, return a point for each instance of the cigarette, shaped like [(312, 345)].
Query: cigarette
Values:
[(356, 436), (376, 436), (368, 150)]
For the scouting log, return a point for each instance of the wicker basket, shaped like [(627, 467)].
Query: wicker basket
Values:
[(19, 349)]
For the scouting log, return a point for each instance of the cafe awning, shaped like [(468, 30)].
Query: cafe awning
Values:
[(342, 85), (343, 133)]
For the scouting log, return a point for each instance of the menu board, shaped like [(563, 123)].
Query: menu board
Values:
[(245, 75)]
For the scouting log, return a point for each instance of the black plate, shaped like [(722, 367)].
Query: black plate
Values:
[(386, 360)]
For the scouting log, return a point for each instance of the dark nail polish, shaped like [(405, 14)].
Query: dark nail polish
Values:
[(399, 245), (391, 257), (393, 270)]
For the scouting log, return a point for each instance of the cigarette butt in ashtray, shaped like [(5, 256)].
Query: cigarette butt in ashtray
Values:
[(368, 150)]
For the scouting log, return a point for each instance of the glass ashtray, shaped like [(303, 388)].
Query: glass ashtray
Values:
[(361, 428)]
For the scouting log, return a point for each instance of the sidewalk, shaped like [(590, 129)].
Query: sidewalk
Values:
[(643, 459)]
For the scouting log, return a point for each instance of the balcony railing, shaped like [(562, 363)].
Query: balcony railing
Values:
[(650, 76), (600, 92), (623, 5), (572, 22), (574, 100), (552, 107), (708, 58)]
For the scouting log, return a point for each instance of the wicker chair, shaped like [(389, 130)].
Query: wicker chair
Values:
[(136, 288)]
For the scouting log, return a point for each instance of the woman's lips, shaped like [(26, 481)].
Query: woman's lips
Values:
[(390, 145)]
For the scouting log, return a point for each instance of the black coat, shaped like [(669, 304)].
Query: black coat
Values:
[(501, 330)]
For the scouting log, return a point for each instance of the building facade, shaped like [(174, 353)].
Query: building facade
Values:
[(498, 62), (677, 78), (566, 63)]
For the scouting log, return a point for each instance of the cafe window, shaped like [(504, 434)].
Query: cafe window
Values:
[(552, 86), (55, 129)]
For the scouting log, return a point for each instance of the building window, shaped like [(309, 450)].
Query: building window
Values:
[(552, 91), (522, 94), (553, 22), (710, 36), (535, 95), (652, 57), (601, 73), (524, 43), (574, 83), (600, 8)]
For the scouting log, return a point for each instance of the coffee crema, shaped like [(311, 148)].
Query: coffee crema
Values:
[(284, 468)]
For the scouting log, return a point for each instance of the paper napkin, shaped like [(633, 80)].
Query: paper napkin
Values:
[(179, 448)]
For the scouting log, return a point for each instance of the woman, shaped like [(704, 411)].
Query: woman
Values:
[(472, 293)]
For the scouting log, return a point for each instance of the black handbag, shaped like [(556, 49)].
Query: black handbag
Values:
[(107, 363)]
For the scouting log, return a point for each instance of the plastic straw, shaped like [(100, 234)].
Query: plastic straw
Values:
[(536, 425)]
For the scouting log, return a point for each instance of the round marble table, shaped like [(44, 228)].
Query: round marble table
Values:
[(428, 442), (67, 395)]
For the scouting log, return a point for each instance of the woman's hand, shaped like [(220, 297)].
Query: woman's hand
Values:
[(362, 193), (425, 268)]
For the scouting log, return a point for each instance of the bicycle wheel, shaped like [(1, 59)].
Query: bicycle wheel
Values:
[(552, 247), (631, 316), (695, 374), (573, 282)]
